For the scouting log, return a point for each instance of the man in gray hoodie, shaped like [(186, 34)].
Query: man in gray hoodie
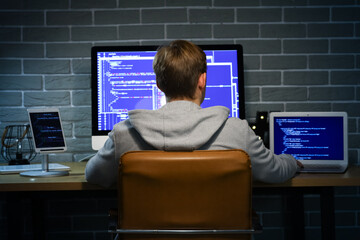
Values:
[(182, 125)]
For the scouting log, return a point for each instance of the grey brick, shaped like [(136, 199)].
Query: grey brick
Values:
[(345, 46), (34, 4), (272, 219), (167, 15), (93, 4), (82, 66), (352, 125), (306, 14), (350, 232), (306, 78), (207, 42), (236, 3), (47, 66), (284, 3), (284, 94), (21, 18), (330, 30), (331, 2), (345, 219), (141, 3), (10, 66), (357, 30), (262, 78), (260, 46), (345, 77), (10, 34), (69, 18), (211, 15), (75, 113), (22, 50), (46, 34), (348, 203), (10, 99), (188, 3), (346, 14), (252, 94), (251, 62), (331, 62), (141, 32), (331, 93), (283, 62), (313, 233), (66, 50), (353, 157), (308, 107), (353, 109), (117, 17), (68, 128), (46, 98), (67, 82), (20, 83), (188, 31), (81, 98), (13, 114), (358, 93), (82, 129), (358, 61), (306, 46), (258, 15), (236, 31), (282, 30), (93, 33)]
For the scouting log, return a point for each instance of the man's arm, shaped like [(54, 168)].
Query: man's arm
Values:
[(102, 168)]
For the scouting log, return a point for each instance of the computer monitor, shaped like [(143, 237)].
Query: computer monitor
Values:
[(123, 79)]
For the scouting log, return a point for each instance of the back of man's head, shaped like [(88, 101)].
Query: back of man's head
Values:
[(178, 67)]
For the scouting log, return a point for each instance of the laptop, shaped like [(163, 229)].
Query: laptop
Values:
[(319, 140)]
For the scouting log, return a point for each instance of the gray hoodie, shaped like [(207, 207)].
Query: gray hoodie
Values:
[(184, 126)]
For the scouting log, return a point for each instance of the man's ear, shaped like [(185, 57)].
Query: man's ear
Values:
[(202, 81)]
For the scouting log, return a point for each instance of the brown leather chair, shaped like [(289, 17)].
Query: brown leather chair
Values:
[(176, 195)]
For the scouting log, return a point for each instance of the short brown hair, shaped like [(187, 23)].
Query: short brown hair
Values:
[(178, 67)]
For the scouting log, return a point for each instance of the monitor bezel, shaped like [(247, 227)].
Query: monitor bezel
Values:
[(96, 49)]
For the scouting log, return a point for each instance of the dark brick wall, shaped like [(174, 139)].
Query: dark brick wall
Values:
[(299, 55)]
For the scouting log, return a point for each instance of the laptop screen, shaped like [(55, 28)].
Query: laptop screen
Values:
[(309, 137)]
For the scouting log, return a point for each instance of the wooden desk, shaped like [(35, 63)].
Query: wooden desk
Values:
[(295, 188), (76, 181)]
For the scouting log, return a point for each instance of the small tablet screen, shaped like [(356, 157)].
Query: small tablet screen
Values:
[(47, 130)]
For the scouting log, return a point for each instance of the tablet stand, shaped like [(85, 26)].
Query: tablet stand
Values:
[(45, 172)]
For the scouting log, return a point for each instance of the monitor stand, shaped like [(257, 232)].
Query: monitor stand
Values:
[(45, 172)]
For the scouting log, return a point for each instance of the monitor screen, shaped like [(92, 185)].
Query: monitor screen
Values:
[(123, 79)]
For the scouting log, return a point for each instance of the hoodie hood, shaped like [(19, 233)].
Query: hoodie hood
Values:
[(178, 125)]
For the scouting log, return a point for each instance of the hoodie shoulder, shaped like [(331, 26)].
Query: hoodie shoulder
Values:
[(179, 125)]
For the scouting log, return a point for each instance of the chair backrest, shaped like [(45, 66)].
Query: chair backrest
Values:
[(209, 189)]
